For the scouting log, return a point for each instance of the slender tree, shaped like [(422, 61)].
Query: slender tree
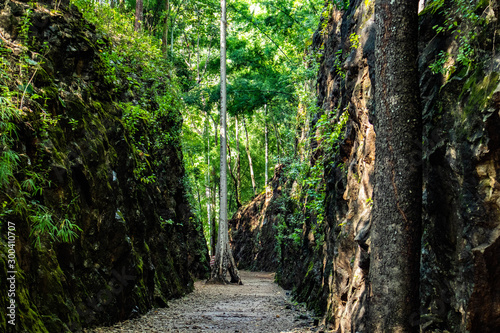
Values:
[(247, 148), (233, 176), (224, 260), (207, 186), (238, 165), (213, 224), (138, 14), (396, 224), (266, 144), (278, 140), (164, 37)]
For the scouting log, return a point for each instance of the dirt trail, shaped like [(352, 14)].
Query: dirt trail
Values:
[(259, 305)]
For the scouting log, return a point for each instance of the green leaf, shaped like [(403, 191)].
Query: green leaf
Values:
[(62, 102), (31, 62), (26, 88)]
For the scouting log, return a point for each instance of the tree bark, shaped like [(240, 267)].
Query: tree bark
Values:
[(266, 144), (247, 148), (224, 260), (172, 36), (278, 139), (207, 188), (213, 239), (238, 165), (164, 39), (138, 15), (235, 181), (198, 79), (396, 222)]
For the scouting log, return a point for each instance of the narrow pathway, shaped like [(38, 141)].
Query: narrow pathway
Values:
[(260, 305)]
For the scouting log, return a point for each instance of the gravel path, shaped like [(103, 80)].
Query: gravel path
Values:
[(259, 305)]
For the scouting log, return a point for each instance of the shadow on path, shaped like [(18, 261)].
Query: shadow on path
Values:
[(259, 305)]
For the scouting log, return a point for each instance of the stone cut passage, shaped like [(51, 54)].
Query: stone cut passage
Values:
[(259, 305)]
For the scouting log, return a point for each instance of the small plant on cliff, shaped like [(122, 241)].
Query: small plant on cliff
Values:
[(341, 4), (464, 23), (337, 64), (22, 176), (130, 60), (438, 66), (354, 39), (44, 223), (308, 191)]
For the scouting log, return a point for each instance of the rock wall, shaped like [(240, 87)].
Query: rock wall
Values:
[(460, 288), (139, 243), (252, 229)]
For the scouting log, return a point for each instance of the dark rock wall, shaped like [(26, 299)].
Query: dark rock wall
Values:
[(140, 245), (460, 288), (252, 229)]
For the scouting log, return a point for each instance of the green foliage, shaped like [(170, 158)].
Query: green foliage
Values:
[(328, 136), (337, 63), (329, 132), (267, 44), (438, 65), (325, 15), (463, 21), (155, 92), (9, 114), (354, 39), (43, 223), (164, 223), (306, 197), (341, 4), (22, 181), (289, 225), (267, 65), (25, 24)]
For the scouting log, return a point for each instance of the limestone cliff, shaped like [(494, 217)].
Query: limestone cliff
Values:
[(252, 229), (460, 92), (137, 243)]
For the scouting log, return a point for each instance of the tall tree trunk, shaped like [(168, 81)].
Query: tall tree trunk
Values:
[(198, 78), (276, 134), (164, 37), (238, 165), (266, 144), (235, 181), (207, 187), (224, 260), (213, 241), (138, 15), (172, 36), (397, 219), (216, 134), (247, 148)]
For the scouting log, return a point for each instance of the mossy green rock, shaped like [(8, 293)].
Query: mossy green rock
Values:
[(124, 261)]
